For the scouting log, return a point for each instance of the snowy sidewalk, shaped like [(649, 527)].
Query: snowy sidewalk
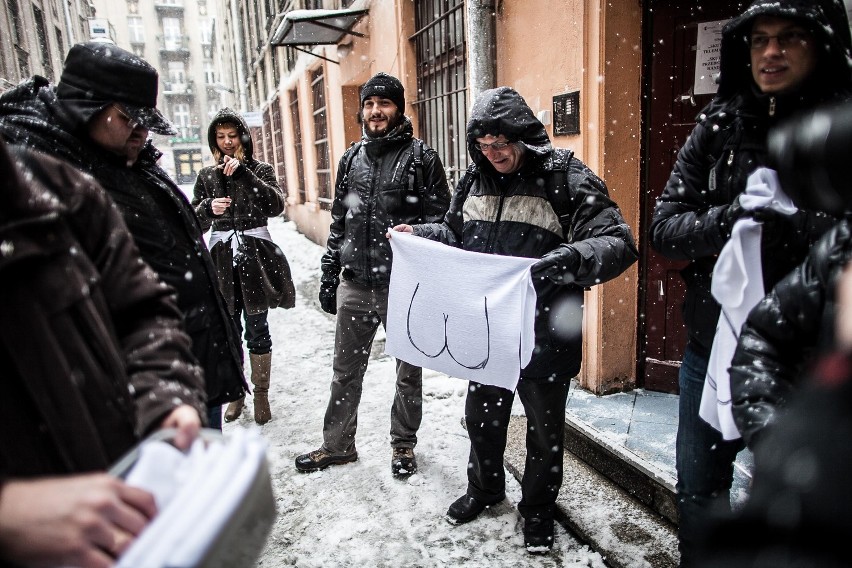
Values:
[(357, 514)]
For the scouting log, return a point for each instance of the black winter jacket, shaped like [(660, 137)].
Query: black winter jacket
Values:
[(91, 348), (728, 144), (264, 277), (784, 331), (377, 188), (159, 217), (553, 202)]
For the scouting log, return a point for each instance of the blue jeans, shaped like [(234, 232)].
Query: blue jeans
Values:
[(705, 461), (214, 417)]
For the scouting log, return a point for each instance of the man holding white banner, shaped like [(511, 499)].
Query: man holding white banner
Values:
[(523, 198)]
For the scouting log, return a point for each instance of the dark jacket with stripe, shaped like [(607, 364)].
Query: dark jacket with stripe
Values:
[(728, 144), (91, 347), (553, 202)]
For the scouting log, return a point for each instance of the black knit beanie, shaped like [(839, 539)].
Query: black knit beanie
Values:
[(385, 86)]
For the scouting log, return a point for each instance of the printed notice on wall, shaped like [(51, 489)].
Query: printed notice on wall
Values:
[(707, 57)]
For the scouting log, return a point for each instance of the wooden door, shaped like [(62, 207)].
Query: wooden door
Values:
[(671, 109)]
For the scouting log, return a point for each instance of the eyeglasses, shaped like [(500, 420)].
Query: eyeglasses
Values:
[(132, 123), (787, 38), (483, 147)]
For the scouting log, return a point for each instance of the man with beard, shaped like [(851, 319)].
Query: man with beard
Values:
[(388, 178), (97, 119)]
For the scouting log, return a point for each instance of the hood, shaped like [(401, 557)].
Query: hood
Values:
[(504, 111), (227, 115), (826, 20)]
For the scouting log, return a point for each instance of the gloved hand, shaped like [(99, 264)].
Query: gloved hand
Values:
[(328, 295), (734, 213), (559, 265)]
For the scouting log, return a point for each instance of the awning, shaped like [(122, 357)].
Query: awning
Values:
[(316, 27)]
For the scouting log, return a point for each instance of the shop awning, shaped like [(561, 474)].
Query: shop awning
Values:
[(316, 27)]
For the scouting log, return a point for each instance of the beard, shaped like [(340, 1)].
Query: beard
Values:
[(393, 121)]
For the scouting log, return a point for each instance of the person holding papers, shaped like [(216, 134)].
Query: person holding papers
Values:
[(94, 357), (522, 197)]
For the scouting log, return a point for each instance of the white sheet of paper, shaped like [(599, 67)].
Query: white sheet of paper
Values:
[(469, 315)]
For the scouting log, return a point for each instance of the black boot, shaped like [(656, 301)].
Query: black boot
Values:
[(538, 535), (465, 509)]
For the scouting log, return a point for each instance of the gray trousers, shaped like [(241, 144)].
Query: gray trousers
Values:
[(360, 309)]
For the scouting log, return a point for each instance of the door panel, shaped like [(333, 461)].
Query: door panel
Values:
[(671, 111)]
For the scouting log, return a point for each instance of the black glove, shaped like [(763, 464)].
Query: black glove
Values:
[(734, 213), (328, 295), (559, 265)]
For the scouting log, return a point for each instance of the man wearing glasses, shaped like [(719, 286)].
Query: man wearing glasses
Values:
[(777, 59), (98, 118), (523, 197)]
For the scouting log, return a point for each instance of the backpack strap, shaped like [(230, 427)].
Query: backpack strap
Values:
[(416, 179), (559, 194)]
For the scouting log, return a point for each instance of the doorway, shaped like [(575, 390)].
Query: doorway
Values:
[(675, 94)]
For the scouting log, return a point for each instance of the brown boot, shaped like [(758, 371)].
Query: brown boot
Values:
[(260, 367), (234, 410)]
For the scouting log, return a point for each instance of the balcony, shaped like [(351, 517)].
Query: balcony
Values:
[(169, 7), (186, 134), (174, 44), (185, 88)]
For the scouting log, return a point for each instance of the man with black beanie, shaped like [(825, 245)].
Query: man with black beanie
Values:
[(388, 178), (97, 119)]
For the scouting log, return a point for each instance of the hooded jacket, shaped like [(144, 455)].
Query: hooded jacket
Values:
[(264, 278), (553, 202), (377, 188), (91, 347), (784, 332), (158, 215), (729, 143)]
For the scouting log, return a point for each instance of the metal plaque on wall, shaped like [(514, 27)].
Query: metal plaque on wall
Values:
[(566, 114)]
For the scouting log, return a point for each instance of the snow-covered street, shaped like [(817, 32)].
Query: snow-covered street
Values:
[(358, 514)]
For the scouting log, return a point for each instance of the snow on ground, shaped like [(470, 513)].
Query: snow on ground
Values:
[(358, 514)]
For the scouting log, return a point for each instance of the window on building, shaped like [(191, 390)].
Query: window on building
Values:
[(172, 33), (43, 42), (177, 76), (321, 139), (15, 23), (278, 142), (181, 116), (60, 43), (213, 105), (442, 80), (209, 72), (297, 143), (205, 31), (135, 29), (313, 4), (187, 165)]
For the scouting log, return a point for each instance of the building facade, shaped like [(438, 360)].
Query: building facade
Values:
[(36, 34)]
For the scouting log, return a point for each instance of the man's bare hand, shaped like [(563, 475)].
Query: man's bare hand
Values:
[(400, 229), (83, 520), (187, 422)]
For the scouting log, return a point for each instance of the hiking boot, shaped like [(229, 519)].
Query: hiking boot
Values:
[(234, 409), (465, 509), (538, 535), (321, 459), (403, 462)]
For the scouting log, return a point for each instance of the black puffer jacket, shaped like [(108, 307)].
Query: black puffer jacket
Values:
[(158, 215), (92, 354), (265, 278), (554, 201), (784, 331), (376, 189), (728, 144)]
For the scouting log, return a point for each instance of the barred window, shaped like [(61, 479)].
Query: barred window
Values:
[(321, 139), (442, 80), (278, 141), (297, 143)]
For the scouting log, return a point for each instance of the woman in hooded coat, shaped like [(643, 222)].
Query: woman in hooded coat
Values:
[(236, 197)]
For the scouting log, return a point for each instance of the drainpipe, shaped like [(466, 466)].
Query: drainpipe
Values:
[(481, 39), (69, 27), (238, 43)]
